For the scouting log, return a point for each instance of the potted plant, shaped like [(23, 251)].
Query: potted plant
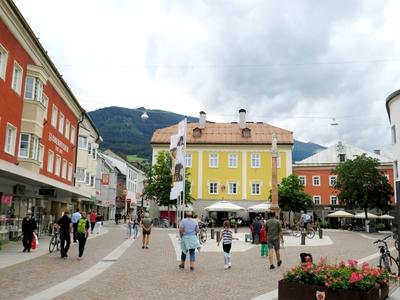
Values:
[(342, 281)]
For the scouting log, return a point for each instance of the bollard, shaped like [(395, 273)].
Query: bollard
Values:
[(218, 236), (320, 233), (303, 238), (236, 229), (212, 233)]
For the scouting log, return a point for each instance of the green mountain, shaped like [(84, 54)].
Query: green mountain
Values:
[(125, 132)]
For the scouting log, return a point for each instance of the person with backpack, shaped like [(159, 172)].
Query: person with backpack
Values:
[(82, 233)]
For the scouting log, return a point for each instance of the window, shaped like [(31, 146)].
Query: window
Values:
[(94, 153), (64, 169), (393, 134), (72, 138), (11, 133), (342, 157), (61, 123), (92, 181), (233, 161), (188, 160), (87, 178), (90, 148), (317, 200), (54, 116), (58, 165), (255, 160), (46, 105), (316, 180), (302, 180), (17, 78), (41, 154), (213, 162), (333, 200), (255, 188), (3, 62), (67, 127), (332, 180), (34, 148), (80, 174), (33, 89), (232, 188), (213, 188), (24, 145), (50, 161), (69, 172), (82, 142)]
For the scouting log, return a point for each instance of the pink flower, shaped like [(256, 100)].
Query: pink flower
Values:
[(352, 262), (322, 260), (365, 265), (307, 266), (355, 277)]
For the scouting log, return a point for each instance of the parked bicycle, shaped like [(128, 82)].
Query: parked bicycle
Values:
[(298, 230), (396, 241), (203, 233), (55, 242), (386, 261)]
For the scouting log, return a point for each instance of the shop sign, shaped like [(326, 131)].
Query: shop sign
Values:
[(60, 146), (6, 199)]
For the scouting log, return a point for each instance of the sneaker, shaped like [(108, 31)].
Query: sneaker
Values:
[(181, 266), (279, 263), (142, 247), (229, 266), (147, 247), (225, 267), (191, 269), (24, 250), (271, 267)]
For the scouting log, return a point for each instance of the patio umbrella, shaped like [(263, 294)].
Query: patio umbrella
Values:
[(388, 217), (224, 206), (262, 207), (340, 214), (362, 216)]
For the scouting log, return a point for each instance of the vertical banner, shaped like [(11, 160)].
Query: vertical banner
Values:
[(177, 150)]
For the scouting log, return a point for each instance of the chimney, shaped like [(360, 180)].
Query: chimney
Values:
[(202, 120), (377, 152), (242, 118)]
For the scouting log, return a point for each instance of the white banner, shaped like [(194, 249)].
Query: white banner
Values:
[(177, 150)]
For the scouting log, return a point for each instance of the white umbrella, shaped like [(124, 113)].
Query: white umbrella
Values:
[(340, 214), (362, 216), (388, 217), (262, 207), (224, 206)]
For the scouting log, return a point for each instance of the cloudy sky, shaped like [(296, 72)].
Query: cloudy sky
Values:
[(293, 64)]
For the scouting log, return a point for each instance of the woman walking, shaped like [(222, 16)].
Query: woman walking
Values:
[(226, 237), (99, 222), (135, 227), (130, 227), (189, 242)]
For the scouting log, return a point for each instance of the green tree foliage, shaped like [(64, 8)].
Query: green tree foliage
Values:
[(291, 195), (159, 181), (362, 185)]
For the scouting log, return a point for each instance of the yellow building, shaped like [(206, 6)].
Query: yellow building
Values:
[(230, 161)]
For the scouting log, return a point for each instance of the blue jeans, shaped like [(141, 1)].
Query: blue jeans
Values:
[(135, 230)]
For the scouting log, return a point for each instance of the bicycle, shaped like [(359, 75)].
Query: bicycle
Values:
[(203, 234), (396, 241), (55, 242), (310, 232), (386, 261)]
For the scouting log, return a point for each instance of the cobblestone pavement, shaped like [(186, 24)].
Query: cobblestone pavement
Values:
[(153, 273)]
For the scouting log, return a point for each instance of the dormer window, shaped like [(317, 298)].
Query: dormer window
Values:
[(196, 132), (246, 132)]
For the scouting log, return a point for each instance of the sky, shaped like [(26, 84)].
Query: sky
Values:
[(293, 64)]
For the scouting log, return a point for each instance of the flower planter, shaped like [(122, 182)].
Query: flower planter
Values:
[(293, 290)]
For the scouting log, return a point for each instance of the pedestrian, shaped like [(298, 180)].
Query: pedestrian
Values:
[(28, 228), (274, 233), (147, 224), (82, 233), (226, 238), (263, 241), (65, 225), (92, 218), (135, 227), (99, 222), (188, 232), (116, 218), (130, 227), (256, 227), (75, 218)]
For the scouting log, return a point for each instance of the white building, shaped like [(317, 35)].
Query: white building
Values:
[(106, 186)]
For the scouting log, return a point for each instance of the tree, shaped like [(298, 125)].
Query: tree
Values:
[(159, 181), (361, 184), (291, 195)]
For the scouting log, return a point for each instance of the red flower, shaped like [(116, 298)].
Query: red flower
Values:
[(355, 277)]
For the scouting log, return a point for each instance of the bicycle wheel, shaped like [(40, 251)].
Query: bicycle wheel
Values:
[(296, 232), (58, 243), (202, 237), (310, 233), (389, 264), (53, 243)]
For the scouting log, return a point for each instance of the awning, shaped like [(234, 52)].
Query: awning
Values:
[(224, 206), (388, 217), (262, 207), (340, 214), (362, 216)]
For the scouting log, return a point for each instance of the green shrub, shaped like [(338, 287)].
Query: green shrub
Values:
[(324, 224), (380, 226)]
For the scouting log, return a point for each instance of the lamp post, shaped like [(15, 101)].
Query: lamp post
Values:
[(274, 188)]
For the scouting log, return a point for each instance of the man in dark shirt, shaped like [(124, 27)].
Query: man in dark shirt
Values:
[(256, 228), (65, 226), (28, 227)]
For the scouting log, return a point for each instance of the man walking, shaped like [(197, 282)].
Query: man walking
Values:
[(274, 232), (76, 216), (255, 230), (82, 233), (65, 226), (28, 227)]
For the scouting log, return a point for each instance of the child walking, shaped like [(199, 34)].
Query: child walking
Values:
[(264, 243), (226, 237)]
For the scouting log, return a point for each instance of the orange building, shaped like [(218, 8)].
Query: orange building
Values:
[(315, 172), (39, 121)]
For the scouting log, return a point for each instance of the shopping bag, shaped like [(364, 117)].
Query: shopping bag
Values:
[(36, 239), (33, 243)]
